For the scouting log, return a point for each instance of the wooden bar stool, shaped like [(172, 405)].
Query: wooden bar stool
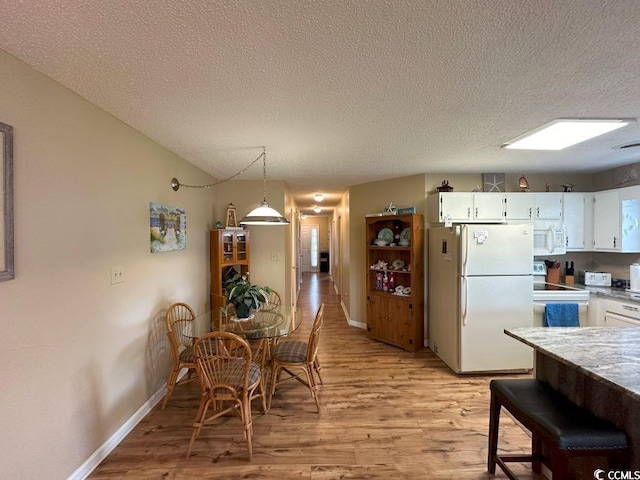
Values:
[(562, 427)]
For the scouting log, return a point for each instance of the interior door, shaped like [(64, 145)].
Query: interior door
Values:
[(305, 248)]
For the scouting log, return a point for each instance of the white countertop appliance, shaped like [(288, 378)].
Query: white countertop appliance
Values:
[(480, 283), (595, 279)]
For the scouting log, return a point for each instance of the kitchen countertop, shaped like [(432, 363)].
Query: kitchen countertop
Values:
[(617, 293), (609, 355)]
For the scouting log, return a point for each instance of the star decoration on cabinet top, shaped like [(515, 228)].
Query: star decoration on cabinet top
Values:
[(493, 182)]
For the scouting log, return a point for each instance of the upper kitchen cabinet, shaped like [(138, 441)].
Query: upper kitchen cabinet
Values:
[(466, 207), (519, 206), (577, 212), (616, 217), (606, 221), (548, 206), (533, 206)]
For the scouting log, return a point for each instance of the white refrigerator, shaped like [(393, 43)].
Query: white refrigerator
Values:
[(479, 283)]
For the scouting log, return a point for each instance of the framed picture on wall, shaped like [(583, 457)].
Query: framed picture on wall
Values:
[(493, 182), (168, 227)]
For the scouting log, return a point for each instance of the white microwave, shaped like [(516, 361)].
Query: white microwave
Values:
[(548, 238)]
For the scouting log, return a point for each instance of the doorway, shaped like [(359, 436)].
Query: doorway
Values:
[(309, 248)]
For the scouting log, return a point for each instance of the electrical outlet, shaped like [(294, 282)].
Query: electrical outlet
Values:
[(117, 275)]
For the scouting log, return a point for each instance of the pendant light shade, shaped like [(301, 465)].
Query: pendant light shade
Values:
[(264, 214)]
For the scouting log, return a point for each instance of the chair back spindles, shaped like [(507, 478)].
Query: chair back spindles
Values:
[(179, 322), (314, 337), (297, 354), (273, 302), (230, 380)]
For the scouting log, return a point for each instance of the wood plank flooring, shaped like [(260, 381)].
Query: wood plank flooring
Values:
[(385, 414)]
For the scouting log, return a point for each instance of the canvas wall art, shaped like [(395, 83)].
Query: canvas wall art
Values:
[(168, 228)]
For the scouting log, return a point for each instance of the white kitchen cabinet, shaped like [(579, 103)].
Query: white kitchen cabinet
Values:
[(488, 207), (577, 212), (606, 221), (548, 206), (533, 206), (596, 311), (519, 206), (466, 207), (616, 220), (619, 313)]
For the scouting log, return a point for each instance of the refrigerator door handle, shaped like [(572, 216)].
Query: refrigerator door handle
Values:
[(464, 237), (464, 290)]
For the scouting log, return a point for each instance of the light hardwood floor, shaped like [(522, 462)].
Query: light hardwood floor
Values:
[(385, 414)]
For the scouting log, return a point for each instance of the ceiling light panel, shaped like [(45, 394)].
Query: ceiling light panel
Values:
[(563, 133)]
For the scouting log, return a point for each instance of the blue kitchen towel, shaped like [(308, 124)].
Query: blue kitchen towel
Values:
[(561, 315)]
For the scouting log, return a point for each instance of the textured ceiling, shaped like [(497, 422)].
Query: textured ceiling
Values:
[(345, 92)]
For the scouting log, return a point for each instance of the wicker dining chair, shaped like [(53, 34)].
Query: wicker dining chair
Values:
[(180, 322), (296, 354), (229, 380), (273, 301)]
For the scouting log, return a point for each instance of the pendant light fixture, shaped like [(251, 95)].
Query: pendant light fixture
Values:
[(264, 214)]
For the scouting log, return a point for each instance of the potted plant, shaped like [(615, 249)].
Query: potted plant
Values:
[(244, 295)]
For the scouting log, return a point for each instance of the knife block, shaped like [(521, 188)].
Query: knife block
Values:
[(553, 275), (568, 279)]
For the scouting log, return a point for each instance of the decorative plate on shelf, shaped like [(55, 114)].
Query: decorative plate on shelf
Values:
[(397, 264), (405, 234), (386, 234)]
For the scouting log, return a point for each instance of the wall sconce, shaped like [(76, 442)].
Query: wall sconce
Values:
[(524, 184)]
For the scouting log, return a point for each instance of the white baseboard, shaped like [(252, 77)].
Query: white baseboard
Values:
[(107, 447), (350, 321)]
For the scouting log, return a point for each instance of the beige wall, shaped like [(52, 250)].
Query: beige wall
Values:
[(323, 229), (624, 176), (265, 240), (537, 182), (80, 356), (373, 198)]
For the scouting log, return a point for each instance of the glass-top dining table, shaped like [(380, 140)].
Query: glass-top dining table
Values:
[(262, 330), (268, 323)]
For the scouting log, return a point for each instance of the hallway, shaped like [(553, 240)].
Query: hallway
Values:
[(385, 414)]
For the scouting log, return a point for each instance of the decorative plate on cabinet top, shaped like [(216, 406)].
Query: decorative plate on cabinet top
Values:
[(386, 234)]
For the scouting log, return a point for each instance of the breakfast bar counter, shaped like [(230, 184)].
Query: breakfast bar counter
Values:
[(595, 367)]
